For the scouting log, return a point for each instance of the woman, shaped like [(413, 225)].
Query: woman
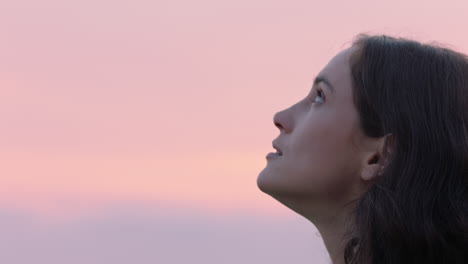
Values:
[(376, 155)]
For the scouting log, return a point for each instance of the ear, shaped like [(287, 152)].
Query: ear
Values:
[(376, 158)]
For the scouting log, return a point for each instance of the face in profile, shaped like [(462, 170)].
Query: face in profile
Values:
[(320, 139)]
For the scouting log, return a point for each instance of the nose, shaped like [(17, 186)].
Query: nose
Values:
[(276, 122), (281, 122)]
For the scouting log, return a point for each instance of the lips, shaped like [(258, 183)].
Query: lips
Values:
[(278, 150)]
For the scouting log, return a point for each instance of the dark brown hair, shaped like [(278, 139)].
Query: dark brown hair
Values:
[(417, 210)]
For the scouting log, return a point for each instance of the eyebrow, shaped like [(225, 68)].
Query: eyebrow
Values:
[(321, 78)]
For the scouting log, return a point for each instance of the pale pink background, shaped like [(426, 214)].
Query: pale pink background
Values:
[(134, 131)]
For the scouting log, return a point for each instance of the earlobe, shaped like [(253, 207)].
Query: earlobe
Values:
[(370, 171), (375, 164)]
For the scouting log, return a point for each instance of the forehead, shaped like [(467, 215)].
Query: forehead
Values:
[(338, 72), (338, 67)]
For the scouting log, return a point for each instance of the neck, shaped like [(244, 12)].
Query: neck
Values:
[(332, 228), (331, 224), (332, 236)]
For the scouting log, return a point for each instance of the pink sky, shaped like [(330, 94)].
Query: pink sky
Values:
[(169, 103)]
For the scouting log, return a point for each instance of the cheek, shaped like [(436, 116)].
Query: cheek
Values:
[(316, 143), (320, 159)]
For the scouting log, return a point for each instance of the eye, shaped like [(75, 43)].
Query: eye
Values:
[(319, 95)]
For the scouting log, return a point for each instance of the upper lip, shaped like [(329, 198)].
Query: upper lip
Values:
[(277, 148)]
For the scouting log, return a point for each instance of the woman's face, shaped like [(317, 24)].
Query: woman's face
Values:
[(317, 139)]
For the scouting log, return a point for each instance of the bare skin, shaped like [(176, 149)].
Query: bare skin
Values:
[(327, 161)]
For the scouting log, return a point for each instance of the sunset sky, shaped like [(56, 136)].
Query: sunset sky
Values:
[(134, 131)]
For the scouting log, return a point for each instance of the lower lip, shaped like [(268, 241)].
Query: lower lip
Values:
[(273, 155)]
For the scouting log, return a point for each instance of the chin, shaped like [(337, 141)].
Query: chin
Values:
[(265, 182), (262, 182), (272, 184)]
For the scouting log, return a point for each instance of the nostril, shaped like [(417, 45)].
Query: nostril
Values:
[(279, 121), (278, 125)]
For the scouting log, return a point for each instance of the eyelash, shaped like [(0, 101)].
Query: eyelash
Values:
[(319, 92)]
